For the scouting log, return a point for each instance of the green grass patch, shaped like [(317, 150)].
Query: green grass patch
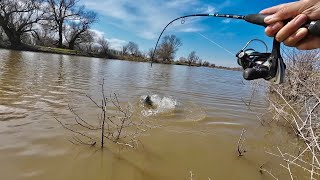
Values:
[(57, 50)]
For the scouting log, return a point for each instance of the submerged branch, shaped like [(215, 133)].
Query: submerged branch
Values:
[(72, 130), (240, 144), (120, 128)]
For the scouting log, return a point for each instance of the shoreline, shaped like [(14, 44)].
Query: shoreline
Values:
[(62, 51)]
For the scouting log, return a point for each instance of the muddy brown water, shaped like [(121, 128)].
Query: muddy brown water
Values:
[(199, 135)]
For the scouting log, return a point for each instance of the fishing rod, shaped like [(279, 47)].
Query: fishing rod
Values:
[(256, 65)]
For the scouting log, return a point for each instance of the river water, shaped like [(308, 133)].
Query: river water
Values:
[(197, 131)]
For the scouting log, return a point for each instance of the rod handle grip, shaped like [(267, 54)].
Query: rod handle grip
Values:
[(314, 28), (258, 19)]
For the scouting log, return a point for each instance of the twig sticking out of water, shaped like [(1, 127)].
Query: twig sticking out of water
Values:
[(254, 89), (240, 149), (91, 141), (191, 175), (262, 170), (118, 127)]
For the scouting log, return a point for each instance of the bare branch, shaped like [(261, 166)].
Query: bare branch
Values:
[(93, 101), (86, 124), (268, 172), (82, 134), (241, 151)]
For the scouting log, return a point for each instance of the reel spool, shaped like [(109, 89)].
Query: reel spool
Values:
[(256, 65)]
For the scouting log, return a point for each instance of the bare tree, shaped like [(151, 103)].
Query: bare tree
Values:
[(18, 17), (88, 43), (168, 47), (86, 38), (192, 58), (182, 60), (104, 46), (133, 48), (27, 38), (206, 64), (3, 36), (124, 50), (61, 11), (77, 30), (150, 53), (44, 35)]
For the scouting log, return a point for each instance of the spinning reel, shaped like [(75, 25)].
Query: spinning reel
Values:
[(256, 65)]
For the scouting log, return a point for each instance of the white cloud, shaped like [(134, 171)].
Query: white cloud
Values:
[(98, 34), (180, 3), (116, 44), (207, 9), (113, 42), (146, 18), (191, 29), (210, 9), (226, 21)]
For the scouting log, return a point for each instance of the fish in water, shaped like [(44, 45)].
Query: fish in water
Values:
[(148, 102)]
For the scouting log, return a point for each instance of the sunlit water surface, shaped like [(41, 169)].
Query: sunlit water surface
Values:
[(200, 116)]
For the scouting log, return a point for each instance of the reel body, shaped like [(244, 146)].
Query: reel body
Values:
[(257, 65)]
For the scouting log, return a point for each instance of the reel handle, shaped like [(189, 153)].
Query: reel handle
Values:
[(258, 19), (255, 73)]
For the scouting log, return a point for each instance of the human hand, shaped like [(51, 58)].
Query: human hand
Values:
[(293, 34)]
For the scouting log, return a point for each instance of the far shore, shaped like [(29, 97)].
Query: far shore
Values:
[(53, 50)]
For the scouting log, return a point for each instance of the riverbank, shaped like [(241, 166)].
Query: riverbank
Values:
[(64, 51), (296, 105), (52, 50)]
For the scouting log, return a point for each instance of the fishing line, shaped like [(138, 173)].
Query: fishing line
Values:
[(213, 42), (193, 15)]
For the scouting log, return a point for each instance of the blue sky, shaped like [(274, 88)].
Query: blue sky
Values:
[(141, 21)]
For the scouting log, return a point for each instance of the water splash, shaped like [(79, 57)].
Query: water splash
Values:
[(160, 105)]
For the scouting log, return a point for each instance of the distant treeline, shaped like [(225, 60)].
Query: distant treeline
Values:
[(63, 26)]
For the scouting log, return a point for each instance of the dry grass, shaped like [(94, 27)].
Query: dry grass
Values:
[(297, 103)]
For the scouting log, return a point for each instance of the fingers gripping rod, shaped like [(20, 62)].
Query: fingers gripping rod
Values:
[(258, 19)]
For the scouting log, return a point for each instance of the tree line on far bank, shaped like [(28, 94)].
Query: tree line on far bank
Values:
[(59, 23), (64, 24)]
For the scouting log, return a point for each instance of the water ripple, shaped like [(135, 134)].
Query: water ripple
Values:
[(9, 113)]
